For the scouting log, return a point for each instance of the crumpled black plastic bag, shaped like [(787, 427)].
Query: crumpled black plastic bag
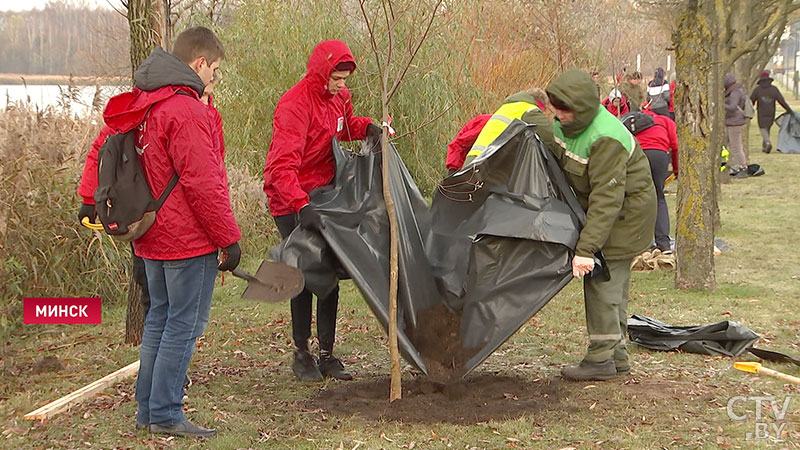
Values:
[(493, 249), (727, 338)]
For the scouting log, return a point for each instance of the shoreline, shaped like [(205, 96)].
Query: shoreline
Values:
[(38, 79)]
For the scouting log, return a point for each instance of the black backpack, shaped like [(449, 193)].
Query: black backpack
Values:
[(122, 199), (637, 121)]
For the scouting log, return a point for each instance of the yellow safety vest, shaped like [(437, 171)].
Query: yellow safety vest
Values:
[(499, 121)]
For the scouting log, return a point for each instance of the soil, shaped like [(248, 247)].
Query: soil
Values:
[(476, 399), (437, 339)]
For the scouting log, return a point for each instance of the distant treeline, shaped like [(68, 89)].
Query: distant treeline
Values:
[(64, 39)]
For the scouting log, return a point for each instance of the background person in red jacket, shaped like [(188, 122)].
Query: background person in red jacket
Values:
[(660, 142), (300, 159), (616, 103), (458, 147), (177, 135)]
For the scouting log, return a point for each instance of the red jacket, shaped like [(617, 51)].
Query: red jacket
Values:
[(307, 118), (671, 107), (613, 109), (457, 149), (663, 136)]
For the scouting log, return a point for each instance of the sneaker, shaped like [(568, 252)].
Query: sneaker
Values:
[(332, 367), (142, 426), (622, 367), (305, 367), (183, 429), (588, 370), (767, 148)]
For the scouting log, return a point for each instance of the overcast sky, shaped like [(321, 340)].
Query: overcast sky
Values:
[(22, 5)]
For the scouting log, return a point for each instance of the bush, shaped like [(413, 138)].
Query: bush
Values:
[(267, 48), (44, 252)]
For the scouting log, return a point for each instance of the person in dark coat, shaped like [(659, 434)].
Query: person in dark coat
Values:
[(764, 97), (658, 94)]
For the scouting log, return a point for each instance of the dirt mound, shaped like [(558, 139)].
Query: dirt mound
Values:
[(437, 339), (476, 399)]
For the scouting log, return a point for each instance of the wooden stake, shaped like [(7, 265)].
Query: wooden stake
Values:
[(70, 400)]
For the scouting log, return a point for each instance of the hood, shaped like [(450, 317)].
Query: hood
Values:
[(577, 90), (615, 93), (323, 59), (523, 96), (165, 69), (730, 80), (765, 81)]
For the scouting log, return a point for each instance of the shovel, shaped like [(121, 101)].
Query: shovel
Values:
[(273, 282), (769, 355), (754, 367)]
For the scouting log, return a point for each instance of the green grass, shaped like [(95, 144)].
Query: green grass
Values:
[(243, 385)]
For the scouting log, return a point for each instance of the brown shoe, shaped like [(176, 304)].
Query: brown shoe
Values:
[(588, 370)]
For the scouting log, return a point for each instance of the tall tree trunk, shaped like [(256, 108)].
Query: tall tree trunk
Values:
[(146, 32), (698, 156)]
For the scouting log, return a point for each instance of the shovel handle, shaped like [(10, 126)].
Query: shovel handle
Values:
[(780, 375), (244, 275), (90, 225)]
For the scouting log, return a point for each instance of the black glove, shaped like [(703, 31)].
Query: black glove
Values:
[(600, 271), (86, 211), (450, 172), (230, 257), (310, 219), (374, 130)]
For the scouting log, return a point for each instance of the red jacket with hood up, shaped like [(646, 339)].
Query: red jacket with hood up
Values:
[(307, 117), (180, 136), (459, 147)]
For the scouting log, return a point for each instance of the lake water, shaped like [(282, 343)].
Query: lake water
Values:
[(43, 96)]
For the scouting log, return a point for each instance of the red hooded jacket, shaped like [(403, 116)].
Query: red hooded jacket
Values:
[(457, 149), (179, 135), (307, 118), (663, 136)]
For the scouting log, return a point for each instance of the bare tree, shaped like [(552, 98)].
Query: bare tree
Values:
[(709, 39)]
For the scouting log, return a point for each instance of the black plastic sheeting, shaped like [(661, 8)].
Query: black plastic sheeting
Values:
[(492, 249), (725, 338), (789, 133)]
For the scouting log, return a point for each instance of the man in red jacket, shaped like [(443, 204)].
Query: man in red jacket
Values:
[(458, 147), (177, 136), (660, 142), (300, 159)]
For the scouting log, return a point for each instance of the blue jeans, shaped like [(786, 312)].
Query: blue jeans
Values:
[(180, 303)]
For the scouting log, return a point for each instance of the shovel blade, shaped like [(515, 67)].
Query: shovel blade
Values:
[(751, 367), (276, 282)]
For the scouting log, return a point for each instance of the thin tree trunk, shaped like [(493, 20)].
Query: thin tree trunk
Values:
[(134, 318), (145, 35), (395, 391), (696, 185)]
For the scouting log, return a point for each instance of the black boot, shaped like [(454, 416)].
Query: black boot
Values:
[(304, 367), (330, 366)]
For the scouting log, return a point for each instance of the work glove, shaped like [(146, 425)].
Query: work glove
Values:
[(600, 271), (310, 218), (374, 131), (450, 172), (86, 211), (230, 257)]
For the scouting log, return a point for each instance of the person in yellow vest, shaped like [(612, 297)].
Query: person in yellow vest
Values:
[(610, 175), (528, 106)]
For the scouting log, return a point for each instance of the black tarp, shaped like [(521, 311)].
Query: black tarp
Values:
[(727, 338), (489, 253), (789, 133)]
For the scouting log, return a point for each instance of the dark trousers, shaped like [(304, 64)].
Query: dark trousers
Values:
[(659, 162), (301, 304)]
